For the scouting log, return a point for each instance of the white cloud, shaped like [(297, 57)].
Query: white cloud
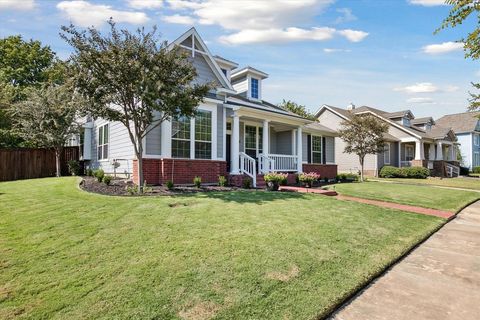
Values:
[(353, 35), (422, 87), (428, 3), (183, 4), (451, 88), (346, 16), (86, 14), (333, 50), (145, 4), (17, 4), (179, 19), (444, 47), (420, 100), (278, 35)]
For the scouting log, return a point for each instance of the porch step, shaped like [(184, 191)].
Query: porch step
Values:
[(261, 181)]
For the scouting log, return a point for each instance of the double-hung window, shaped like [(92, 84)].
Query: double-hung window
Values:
[(103, 138), (476, 159), (316, 149), (409, 152), (254, 88), (386, 153), (476, 139), (181, 137), (203, 135)]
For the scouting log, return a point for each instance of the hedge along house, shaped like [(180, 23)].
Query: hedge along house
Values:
[(235, 132), (410, 142)]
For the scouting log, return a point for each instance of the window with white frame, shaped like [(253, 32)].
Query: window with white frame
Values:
[(386, 153), (203, 135), (476, 139), (253, 139), (254, 89), (316, 149), (181, 137), (103, 139), (476, 159)]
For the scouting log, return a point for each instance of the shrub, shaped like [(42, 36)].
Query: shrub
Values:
[(308, 178), (90, 172), (146, 188), (222, 181), (99, 174), (73, 167), (132, 190), (406, 172), (247, 183), (476, 169), (107, 180), (197, 181), (169, 185), (464, 171), (274, 179)]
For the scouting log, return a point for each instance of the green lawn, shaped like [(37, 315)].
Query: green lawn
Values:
[(422, 196), (465, 183), (68, 254)]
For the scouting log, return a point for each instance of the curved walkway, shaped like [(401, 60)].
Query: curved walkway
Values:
[(438, 280), (403, 207)]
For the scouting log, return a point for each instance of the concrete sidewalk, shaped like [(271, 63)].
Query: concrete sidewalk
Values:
[(438, 280)]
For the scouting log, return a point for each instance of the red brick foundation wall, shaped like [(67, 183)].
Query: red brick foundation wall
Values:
[(324, 170), (180, 171)]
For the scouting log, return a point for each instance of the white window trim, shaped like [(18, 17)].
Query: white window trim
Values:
[(476, 139), (108, 144), (182, 139), (257, 137), (385, 154), (204, 141), (321, 149)]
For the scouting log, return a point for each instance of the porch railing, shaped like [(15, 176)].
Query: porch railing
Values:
[(248, 166), (452, 171), (266, 163), (284, 162)]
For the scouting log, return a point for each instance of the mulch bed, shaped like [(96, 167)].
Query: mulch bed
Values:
[(118, 187)]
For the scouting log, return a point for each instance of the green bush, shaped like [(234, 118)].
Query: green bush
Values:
[(464, 171), (90, 172), (73, 167), (274, 180), (222, 181), (406, 172), (197, 181), (132, 190), (169, 185), (99, 174), (308, 178), (476, 169), (107, 180), (247, 183)]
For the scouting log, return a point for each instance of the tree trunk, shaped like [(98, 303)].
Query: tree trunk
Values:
[(140, 168), (362, 160), (58, 165)]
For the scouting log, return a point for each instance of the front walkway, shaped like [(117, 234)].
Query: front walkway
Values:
[(438, 280)]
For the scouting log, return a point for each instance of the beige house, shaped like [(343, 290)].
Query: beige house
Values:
[(410, 142)]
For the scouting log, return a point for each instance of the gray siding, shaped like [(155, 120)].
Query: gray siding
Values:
[(204, 72), (330, 149), (153, 142), (220, 133), (273, 141), (284, 142), (242, 135)]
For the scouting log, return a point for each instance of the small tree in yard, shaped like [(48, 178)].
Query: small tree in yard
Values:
[(128, 77), (46, 118), (363, 135)]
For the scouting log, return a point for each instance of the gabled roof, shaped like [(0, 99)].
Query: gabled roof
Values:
[(261, 105), (461, 122), (192, 32), (399, 114), (225, 61), (318, 127), (423, 120), (239, 72)]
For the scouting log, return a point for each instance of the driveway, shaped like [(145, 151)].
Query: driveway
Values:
[(438, 280)]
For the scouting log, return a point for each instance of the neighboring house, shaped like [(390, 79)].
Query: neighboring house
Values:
[(409, 142), (235, 132), (467, 128)]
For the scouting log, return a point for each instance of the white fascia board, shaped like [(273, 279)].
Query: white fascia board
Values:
[(271, 116), (261, 74), (326, 107)]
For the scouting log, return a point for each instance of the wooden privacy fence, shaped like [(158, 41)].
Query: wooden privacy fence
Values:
[(16, 164)]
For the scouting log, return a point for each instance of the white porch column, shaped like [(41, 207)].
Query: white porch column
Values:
[(431, 152), (419, 150), (299, 150), (235, 144), (439, 151), (450, 153), (266, 138)]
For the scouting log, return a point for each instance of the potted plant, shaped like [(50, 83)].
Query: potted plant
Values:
[(274, 179), (307, 179)]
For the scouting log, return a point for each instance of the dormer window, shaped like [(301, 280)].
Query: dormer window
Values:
[(406, 122), (254, 88)]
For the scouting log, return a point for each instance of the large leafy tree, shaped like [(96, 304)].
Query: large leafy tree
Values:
[(133, 78), (46, 117), (23, 64), (296, 108), (460, 11), (363, 135)]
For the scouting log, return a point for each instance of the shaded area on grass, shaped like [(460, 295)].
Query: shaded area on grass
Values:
[(65, 253)]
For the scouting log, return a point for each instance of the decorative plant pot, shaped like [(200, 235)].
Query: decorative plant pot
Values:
[(272, 186)]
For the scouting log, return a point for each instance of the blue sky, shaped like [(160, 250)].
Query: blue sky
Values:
[(380, 53)]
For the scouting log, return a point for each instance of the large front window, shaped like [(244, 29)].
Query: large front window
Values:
[(203, 135), (181, 137), (254, 88), (103, 138), (253, 140), (316, 149)]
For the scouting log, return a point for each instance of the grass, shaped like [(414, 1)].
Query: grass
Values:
[(68, 254), (422, 196), (464, 183)]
